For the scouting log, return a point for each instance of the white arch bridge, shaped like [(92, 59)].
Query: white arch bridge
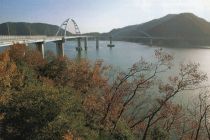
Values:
[(59, 39)]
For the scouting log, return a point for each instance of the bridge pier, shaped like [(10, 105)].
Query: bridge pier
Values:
[(97, 42), (151, 42), (40, 48), (60, 48), (85, 42), (78, 48)]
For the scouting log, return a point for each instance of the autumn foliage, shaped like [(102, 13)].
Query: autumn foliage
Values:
[(61, 98)]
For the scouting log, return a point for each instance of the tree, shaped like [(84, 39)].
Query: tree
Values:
[(199, 114), (137, 82), (63, 98), (17, 52), (189, 78), (29, 111)]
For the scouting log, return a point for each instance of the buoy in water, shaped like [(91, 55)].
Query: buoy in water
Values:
[(110, 45), (78, 48)]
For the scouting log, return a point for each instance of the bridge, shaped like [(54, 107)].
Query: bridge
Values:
[(58, 39)]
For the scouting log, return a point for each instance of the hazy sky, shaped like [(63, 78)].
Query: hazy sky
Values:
[(98, 15)]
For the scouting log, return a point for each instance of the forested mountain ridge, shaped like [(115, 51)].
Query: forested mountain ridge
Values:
[(24, 28), (186, 27), (173, 25)]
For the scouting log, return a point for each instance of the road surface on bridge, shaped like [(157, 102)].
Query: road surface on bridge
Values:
[(10, 40)]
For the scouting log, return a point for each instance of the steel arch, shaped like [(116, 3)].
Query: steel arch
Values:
[(64, 26)]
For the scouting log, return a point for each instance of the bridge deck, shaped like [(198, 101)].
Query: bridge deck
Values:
[(10, 40)]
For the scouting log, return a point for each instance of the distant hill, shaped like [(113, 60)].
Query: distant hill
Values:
[(23, 28), (185, 28), (179, 29), (92, 34)]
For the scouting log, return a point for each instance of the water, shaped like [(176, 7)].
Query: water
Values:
[(125, 54)]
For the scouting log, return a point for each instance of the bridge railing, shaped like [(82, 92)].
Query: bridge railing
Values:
[(17, 38), (4, 39)]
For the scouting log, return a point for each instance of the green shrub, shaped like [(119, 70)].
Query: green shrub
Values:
[(28, 111)]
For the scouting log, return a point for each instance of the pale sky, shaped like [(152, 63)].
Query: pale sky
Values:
[(98, 15)]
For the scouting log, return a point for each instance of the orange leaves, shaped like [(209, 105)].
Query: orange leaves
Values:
[(5, 57), (96, 73), (93, 103), (70, 136), (104, 105), (163, 57), (191, 75), (167, 89), (84, 76), (171, 110), (10, 77), (34, 59), (17, 52), (8, 70), (99, 74)]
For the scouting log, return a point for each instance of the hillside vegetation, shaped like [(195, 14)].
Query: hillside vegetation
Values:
[(184, 28), (61, 98), (23, 28)]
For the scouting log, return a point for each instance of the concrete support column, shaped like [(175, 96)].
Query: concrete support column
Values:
[(85, 42), (151, 42), (97, 42), (40, 48), (60, 48), (78, 48), (79, 42)]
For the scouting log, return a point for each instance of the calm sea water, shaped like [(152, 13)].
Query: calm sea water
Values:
[(125, 54)]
